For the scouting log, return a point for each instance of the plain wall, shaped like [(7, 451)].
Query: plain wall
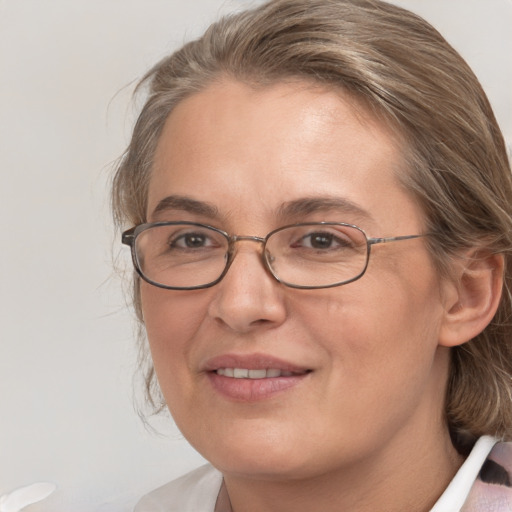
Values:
[(67, 349)]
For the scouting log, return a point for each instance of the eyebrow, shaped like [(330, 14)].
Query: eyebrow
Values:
[(309, 205), (296, 209), (186, 204)]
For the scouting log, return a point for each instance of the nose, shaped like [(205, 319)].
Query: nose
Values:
[(248, 297)]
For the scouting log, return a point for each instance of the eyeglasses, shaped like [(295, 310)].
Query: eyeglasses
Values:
[(189, 256)]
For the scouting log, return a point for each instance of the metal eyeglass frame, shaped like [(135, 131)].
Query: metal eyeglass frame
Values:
[(129, 237)]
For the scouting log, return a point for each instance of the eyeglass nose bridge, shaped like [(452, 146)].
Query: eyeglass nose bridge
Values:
[(240, 238), (266, 257)]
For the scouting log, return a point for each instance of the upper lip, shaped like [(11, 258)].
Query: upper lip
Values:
[(251, 362)]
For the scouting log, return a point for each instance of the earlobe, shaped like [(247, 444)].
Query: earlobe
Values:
[(473, 297)]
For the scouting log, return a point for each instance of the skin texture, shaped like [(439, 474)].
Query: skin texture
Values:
[(364, 429)]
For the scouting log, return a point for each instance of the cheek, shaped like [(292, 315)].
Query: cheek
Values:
[(385, 322), (171, 319)]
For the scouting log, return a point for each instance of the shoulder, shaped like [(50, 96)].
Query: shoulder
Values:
[(492, 490), (196, 491)]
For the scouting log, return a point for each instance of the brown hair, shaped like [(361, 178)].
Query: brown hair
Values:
[(406, 73)]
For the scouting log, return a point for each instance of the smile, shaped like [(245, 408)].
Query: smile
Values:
[(245, 373), (253, 377)]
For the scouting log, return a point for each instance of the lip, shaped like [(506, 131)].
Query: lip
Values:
[(251, 362), (252, 390)]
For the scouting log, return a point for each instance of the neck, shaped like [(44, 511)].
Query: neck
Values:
[(401, 477)]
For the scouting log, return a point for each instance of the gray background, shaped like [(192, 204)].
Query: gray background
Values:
[(66, 337)]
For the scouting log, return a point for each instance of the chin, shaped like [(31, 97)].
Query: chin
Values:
[(270, 454), (265, 467)]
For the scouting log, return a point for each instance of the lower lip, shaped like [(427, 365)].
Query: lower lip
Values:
[(252, 390)]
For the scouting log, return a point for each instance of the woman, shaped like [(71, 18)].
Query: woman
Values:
[(322, 207)]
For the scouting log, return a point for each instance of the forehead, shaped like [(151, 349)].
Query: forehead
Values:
[(241, 147)]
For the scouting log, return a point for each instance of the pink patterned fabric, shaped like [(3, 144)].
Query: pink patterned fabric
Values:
[(492, 490)]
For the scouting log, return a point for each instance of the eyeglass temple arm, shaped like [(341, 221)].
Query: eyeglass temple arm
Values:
[(385, 240)]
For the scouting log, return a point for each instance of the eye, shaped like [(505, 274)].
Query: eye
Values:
[(324, 240), (192, 240)]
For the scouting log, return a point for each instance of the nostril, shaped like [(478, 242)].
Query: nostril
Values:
[(261, 321)]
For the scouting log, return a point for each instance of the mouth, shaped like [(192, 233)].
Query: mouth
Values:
[(253, 377), (264, 373)]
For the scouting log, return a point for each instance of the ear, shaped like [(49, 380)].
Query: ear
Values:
[(471, 297)]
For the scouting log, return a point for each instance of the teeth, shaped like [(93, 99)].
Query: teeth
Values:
[(241, 373), (244, 373), (257, 374)]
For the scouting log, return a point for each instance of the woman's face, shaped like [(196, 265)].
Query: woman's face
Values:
[(367, 375)]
